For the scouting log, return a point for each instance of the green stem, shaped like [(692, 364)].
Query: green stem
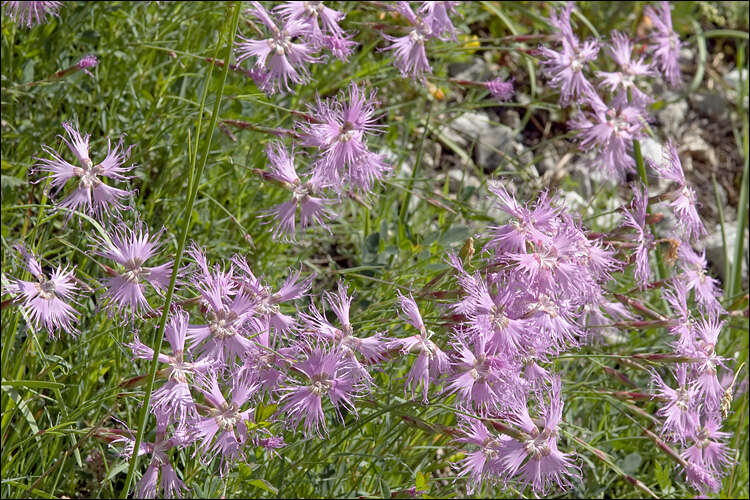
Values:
[(638, 155), (181, 246)]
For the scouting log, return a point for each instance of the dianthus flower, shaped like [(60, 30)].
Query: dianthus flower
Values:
[(340, 134), (431, 361), (149, 486), (31, 13), (279, 57), (91, 193), (409, 53), (371, 348), (666, 43), (694, 276), (683, 199), (707, 382), (437, 16), (709, 448), (322, 25), (312, 208), (680, 406), (229, 314), (610, 130), (327, 373), (635, 218), (46, 299), (484, 464), (265, 301), (480, 376), (565, 68), (537, 460), (173, 400), (224, 430), (130, 249), (630, 69)]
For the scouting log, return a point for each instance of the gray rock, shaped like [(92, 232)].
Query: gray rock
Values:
[(733, 77), (495, 143), (672, 117), (715, 250), (477, 70), (712, 105)]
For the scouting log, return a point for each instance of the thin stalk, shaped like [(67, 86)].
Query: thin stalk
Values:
[(181, 246), (417, 162)]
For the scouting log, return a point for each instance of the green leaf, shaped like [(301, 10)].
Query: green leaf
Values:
[(632, 463), (264, 485), (422, 482), (35, 384), (662, 476)]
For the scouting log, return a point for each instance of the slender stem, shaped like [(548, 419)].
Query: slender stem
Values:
[(181, 246)]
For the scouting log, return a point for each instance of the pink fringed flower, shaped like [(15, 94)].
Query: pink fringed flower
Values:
[(173, 401), (46, 299), (279, 57), (312, 208), (630, 69), (409, 52), (437, 16), (666, 43), (483, 464), (636, 219), (431, 361), (91, 194), (31, 13), (130, 249), (150, 485), (322, 25), (340, 134), (680, 406), (694, 276), (372, 348), (565, 68), (229, 315), (326, 374), (224, 430), (683, 199)]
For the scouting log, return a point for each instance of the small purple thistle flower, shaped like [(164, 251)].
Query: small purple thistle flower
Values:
[(131, 248), (279, 57), (666, 46), (327, 373), (89, 61), (31, 13), (45, 300), (501, 90), (92, 194)]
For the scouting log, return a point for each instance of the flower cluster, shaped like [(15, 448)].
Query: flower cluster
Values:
[(337, 130), (31, 13), (431, 21), (307, 27)]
